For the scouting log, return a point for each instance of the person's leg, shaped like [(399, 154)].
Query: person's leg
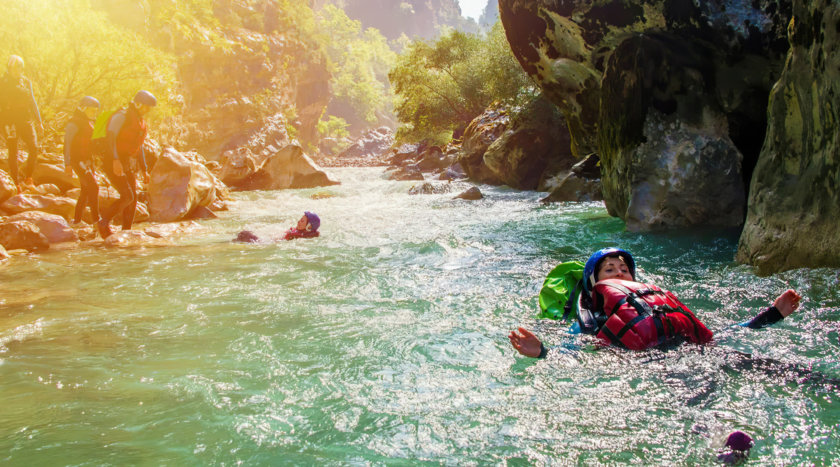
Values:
[(85, 194), (121, 184), (93, 195), (26, 132), (12, 146), (131, 207)]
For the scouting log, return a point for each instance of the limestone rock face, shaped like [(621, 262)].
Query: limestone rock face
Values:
[(24, 235), (52, 226), (479, 135), (64, 207), (707, 67), (794, 201), (534, 146), (178, 186)]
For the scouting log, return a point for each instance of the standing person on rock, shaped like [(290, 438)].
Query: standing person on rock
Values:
[(126, 134), (18, 115), (78, 156)]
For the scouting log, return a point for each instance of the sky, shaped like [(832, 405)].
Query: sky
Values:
[(472, 8)]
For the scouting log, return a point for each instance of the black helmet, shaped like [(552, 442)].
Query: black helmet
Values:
[(89, 101), (145, 98)]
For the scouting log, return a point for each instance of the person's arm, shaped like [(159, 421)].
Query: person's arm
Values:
[(35, 106), (114, 127), (69, 134), (782, 307)]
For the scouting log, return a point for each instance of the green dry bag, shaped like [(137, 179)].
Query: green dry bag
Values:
[(562, 284)]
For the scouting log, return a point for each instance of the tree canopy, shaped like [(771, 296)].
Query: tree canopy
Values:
[(442, 86)]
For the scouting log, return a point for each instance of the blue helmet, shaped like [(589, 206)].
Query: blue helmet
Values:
[(314, 220), (145, 98), (594, 261), (89, 101)]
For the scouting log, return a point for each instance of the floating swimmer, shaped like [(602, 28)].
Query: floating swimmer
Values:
[(629, 314), (307, 227)]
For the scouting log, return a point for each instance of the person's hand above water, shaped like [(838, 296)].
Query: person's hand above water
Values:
[(525, 343), (787, 302)]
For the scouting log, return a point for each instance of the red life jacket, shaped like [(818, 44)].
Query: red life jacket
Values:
[(80, 147), (132, 134), (293, 233), (642, 315)]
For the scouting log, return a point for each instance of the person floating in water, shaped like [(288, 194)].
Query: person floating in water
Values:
[(633, 315), (307, 227)]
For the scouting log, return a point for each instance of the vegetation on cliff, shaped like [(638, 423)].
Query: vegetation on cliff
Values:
[(443, 85)]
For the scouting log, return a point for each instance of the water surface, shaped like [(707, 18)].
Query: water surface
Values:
[(384, 341)]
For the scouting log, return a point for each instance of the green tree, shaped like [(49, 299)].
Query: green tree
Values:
[(359, 62), (444, 85), (71, 50)]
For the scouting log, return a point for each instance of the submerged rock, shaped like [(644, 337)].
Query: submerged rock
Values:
[(472, 194), (429, 189)]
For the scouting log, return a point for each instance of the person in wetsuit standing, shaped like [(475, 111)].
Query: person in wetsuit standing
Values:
[(125, 137), (18, 115), (78, 156)]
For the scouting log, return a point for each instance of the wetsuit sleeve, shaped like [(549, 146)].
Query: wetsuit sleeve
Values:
[(768, 317), (143, 159), (35, 110), (114, 127), (69, 134)]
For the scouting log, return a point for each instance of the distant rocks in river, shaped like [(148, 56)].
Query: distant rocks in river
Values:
[(429, 188), (471, 194), (371, 149)]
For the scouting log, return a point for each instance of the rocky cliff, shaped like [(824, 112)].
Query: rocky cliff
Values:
[(414, 18), (238, 63), (671, 95), (794, 198)]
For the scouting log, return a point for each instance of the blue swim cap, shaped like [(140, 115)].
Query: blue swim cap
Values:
[(314, 220), (594, 261)]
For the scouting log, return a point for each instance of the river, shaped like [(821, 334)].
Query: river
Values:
[(384, 342)]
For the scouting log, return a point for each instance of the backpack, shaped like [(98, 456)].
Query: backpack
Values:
[(561, 290), (100, 131)]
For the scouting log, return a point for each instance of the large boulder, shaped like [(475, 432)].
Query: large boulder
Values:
[(16, 235), (62, 206), (479, 135), (794, 200), (237, 166), (53, 226), (370, 148), (288, 168), (178, 186), (534, 146), (54, 174)]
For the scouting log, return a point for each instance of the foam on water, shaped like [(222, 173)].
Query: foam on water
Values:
[(385, 339)]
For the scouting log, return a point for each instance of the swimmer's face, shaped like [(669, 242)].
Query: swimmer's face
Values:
[(614, 268), (303, 223)]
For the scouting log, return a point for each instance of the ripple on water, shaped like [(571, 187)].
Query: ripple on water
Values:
[(384, 341)]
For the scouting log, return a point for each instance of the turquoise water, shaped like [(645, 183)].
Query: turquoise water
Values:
[(384, 342)]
